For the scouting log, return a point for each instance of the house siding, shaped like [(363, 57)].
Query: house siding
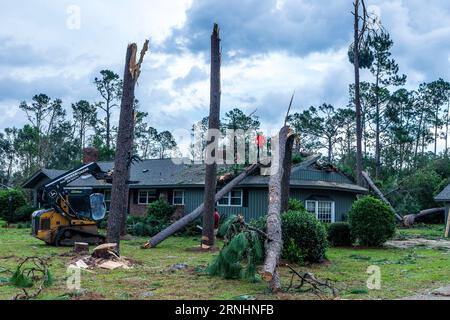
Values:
[(258, 199)]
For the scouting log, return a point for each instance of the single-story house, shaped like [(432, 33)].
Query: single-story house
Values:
[(444, 197), (325, 191)]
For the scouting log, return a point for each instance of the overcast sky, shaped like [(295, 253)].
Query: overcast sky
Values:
[(270, 48)]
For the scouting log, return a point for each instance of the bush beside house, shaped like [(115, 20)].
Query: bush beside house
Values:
[(158, 218), (371, 221), (10, 201), (304, 237)]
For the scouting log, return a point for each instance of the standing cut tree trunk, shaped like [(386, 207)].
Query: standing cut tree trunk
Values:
[(274, 242), (124, 148), (212, 143)]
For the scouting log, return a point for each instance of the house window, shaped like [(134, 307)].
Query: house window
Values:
[(231, 199), (323, 210), (147, 196), (178, 197), (107, 194)]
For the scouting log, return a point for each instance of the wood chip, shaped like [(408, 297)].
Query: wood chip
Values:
[(111, 265)]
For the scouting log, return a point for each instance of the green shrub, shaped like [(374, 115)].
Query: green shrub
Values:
[(296, 205), (23, 214), (17, 200), (339, 234), (304, 237), (371, 221), (160, 209), (307, 233), (292, 252), (145, 226)]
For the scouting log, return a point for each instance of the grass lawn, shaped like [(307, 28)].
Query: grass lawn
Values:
[(403, 272)]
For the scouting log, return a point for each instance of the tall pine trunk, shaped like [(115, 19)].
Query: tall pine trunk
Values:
[(377, 129), (208, 238), (359, 160)]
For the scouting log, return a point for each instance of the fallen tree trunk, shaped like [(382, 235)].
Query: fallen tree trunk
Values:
[(380, 195), (410, 219), (274, 243), (176, 226)]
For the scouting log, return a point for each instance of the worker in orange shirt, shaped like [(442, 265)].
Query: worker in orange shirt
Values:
[(216, 221)]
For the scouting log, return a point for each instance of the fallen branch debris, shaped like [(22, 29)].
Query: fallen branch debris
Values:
[(321, 288)]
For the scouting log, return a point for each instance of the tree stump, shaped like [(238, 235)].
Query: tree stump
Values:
[(104, 251), (81, 247)]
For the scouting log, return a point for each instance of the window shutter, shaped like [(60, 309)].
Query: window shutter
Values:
[(245, 198), (135, 193)]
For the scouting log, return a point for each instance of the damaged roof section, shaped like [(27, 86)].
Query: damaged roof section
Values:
[(309, 173)]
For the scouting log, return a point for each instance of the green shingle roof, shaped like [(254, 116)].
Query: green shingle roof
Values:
[(169, 173)]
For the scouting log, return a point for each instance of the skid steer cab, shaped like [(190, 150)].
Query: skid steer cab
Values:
[(72, 215)]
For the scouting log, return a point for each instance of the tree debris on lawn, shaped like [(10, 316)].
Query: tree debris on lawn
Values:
[(242, 244), (321, 288), (104, 257), (32, 275)]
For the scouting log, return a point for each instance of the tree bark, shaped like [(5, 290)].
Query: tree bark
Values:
[(377, 130), (212, 144), (359, 161), (287, 165), (179, 224), (274, 243), (124, 149), (380, 195)]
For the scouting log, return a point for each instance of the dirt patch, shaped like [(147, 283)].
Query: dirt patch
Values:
[(88, 296), (442, 293), (419, 242)]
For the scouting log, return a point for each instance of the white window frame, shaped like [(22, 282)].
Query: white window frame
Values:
[(316, 209), (228, 196), (147, 198), (182, 197)]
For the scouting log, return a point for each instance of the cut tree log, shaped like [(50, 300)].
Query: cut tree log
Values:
[(179, 224), (274, 243), (410, 219), (81, 247), (212, 145), (380, 195), (124, 147)]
